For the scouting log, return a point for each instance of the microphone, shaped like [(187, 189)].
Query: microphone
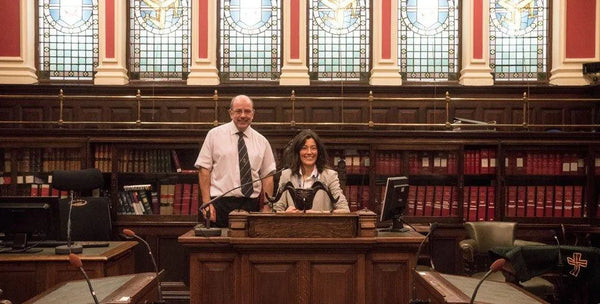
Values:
[(497, 265), (416, 300), (559, 263), (130, 233), (69, 248), (76, 261), (207, 230)]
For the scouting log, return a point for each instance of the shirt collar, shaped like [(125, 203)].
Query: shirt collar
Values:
[(314, 174), (234, 131)]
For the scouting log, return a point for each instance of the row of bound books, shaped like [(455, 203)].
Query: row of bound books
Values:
[(38, 160), (544, 163), (355, 164), (171, 199), (545, 201), (482, 161), (431, 201), (425, 163)]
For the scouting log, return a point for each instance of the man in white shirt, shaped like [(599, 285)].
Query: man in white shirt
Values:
[(220, 166)]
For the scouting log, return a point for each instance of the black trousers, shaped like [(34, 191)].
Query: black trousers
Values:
[(227, 204)]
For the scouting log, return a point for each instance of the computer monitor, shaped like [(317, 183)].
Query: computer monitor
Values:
[(36, 217), (394, 202)]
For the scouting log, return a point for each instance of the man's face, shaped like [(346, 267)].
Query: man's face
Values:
[(242, 113)]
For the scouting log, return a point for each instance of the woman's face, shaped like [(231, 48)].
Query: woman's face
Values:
[(308, 153)]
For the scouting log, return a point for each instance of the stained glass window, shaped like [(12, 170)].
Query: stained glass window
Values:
[(68, 39), (250, 46), (519, 40), (159, 39), (339, 39), (428, 40)]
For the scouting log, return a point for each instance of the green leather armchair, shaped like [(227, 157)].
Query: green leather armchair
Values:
[(483, 236)]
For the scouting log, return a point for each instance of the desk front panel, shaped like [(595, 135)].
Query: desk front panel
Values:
[(22, 276), (300, 271)]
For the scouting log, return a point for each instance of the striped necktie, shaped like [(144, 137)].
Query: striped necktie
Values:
[(245, 174)]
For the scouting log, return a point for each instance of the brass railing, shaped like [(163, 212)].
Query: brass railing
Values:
[(449, 124)]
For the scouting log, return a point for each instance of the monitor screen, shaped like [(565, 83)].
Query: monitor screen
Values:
[(38, 217), (394, 201)]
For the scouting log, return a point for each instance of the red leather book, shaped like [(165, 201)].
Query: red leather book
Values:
[(577, 201), (568, 201), (428, 205), (530, 207), (482, 201), (446, 200), (539, 200), (521, 198), (549, 202), (558, 201), (511, 201), (437, 200), (491, 203)]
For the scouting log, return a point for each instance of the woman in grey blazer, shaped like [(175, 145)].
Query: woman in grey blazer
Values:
[(307, 160)]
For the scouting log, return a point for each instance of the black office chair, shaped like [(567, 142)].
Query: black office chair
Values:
[(90, 216)]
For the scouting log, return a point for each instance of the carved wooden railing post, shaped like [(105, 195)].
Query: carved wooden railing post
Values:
[(448, 124), (293, 100), (525, 108), (371, 124), (60, 105), (216, 100), (138, 97)]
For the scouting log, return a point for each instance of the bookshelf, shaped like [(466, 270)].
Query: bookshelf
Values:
[(400, 131)]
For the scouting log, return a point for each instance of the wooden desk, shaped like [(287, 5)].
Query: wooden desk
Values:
[(444, 288), (131, 288), (267, 269), (24, 275)]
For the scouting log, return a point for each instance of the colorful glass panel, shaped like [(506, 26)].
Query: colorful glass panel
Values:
[(428, 40), (339, 40), (250, 40), (68, 39), (159, 39), (519, 40)]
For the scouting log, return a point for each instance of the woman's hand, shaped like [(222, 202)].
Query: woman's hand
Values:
[(292, 209)]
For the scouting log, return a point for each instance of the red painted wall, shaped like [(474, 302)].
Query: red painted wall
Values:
[(203, 29), (386, 29), (581, 29), (110, 29), (10, 18), (294, 29), (478, 29)]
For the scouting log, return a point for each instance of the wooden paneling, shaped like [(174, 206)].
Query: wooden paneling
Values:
[(274, 282)]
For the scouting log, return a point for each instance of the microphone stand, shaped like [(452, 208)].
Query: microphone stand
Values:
[(76, 261), (559, 265), (137, 237), (207, 231), (497, 265), (69, 248)]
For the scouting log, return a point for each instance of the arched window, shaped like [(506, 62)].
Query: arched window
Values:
[(250, 39), (68, 39), (159, 39), (519, 40), (428, 40), (339, 40)]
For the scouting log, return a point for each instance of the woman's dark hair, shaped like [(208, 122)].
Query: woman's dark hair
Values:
[(292, 151)]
